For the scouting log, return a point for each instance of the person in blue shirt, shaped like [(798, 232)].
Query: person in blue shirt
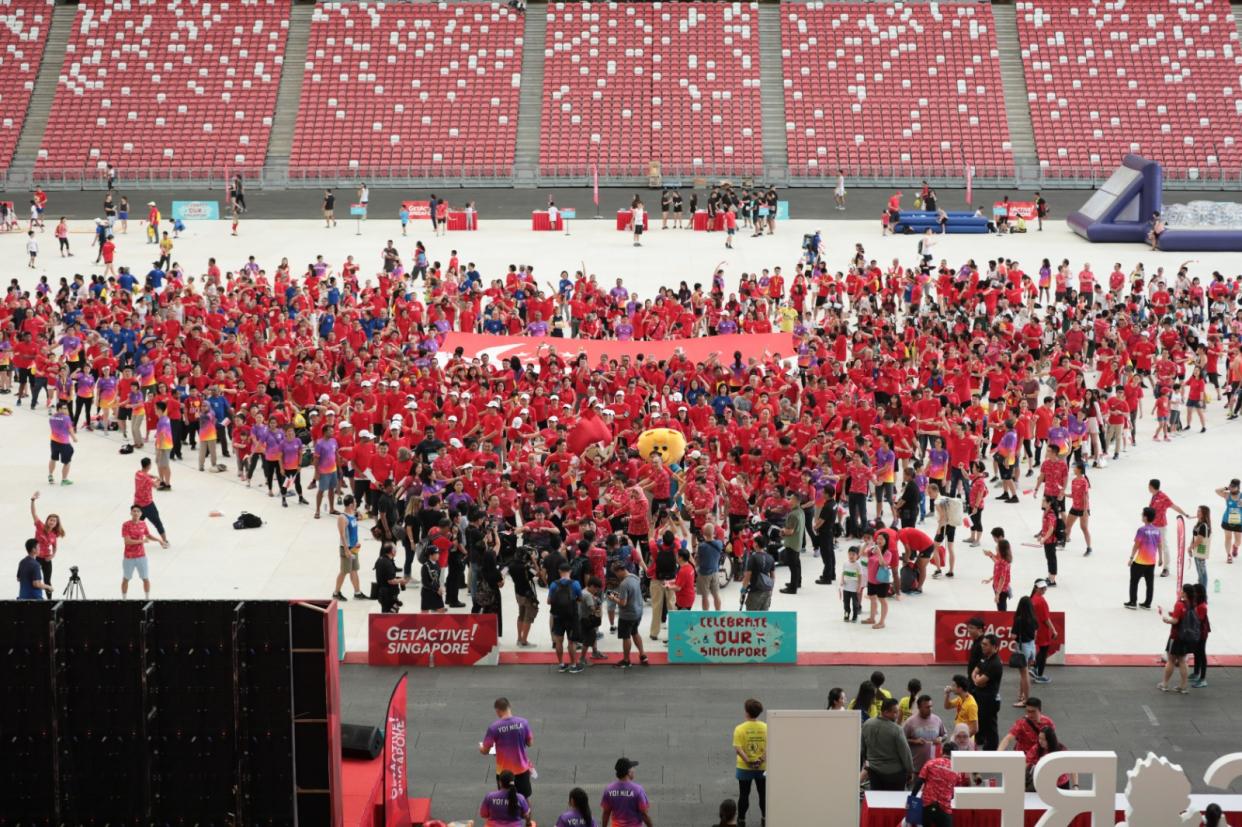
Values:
[(155, 277), (224, 414), (326, 322), (127, 280), (30, 574), (334, 294)]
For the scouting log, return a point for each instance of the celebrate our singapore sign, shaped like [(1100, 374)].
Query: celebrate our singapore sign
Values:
[(1157, 792)]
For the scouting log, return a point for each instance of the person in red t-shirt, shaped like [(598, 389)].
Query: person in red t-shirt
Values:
[(136, 536), (1161, 503), (1178, 650), (1196, 386)]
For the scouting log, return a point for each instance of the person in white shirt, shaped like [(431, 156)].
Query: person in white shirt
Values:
[(553, 214), (32, 247), (839, 193), (637, 216)]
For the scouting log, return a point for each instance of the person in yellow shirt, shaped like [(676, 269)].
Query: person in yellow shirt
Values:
[(909, 704), (750, 743), (957, 696)]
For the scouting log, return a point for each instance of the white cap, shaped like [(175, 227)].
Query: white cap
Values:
[(323, 397), (346, 424), (524, 410), (695, 454), (553, 419), (620, 393), (567, 405), (366, 383), (454, 393), (411, 406), (493, 404), (553, 396), (676, 397), (452, 419), (365, 434), (609, 412), (526, 396), (517, 422), (455, 442)]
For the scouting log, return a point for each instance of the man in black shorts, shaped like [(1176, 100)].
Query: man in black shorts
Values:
[(563, 595)]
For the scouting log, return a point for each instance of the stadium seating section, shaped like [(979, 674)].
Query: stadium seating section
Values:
[(415, 88), (182, 89), (1156, 78), (154, 85), (629, 83), (23, 32), (885, 86)]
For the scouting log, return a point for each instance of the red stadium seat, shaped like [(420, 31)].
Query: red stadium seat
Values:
[(160, 85), (410, 89), (1157, 78), (24, 25), (628, 83), (892, 85)]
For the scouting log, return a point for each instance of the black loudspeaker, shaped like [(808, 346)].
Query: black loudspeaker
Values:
[(358, 741)]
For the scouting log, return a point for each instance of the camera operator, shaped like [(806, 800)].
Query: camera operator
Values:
[(482, 547), (523, 568), (388, 583)]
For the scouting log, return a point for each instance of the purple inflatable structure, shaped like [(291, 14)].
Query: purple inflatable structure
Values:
[(1122, 209)]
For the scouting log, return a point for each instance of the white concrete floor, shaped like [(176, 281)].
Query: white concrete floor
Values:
[(295, 556)]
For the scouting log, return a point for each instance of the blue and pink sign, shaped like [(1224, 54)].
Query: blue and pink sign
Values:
[(733, 637)]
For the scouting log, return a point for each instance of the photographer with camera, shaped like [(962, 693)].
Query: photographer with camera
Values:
[(523, 569), (482, 544), (757, 580), (388, 583)]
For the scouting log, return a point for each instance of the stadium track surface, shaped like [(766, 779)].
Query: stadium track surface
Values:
[(509, 203), (678, 722)]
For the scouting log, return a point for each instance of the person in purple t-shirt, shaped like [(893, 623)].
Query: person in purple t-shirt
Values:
[(624, 801), (505, 806), (510, 735)]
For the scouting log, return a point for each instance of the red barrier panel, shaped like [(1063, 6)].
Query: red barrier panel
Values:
[(430, 639), (952, 641)]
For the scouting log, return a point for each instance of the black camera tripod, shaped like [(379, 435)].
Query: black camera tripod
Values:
[(73, 589)]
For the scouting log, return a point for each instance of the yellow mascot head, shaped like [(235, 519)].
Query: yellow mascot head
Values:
[(668, 443)]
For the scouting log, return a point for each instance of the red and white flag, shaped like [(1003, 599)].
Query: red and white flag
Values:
[(970, 184), (396, 760), (595, 182)]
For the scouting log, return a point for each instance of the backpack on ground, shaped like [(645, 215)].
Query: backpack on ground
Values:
[(909, 578), (1189, 629), (562, 602), (247, 520)]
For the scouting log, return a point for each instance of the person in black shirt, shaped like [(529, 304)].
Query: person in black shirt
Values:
[(677, 205), (825, 526), (986, 677), (391, 257), (551, 560), (388, 583), (430, 445), (527, 597), (908, 510), (974, 628), (487, 589), (329, 209)]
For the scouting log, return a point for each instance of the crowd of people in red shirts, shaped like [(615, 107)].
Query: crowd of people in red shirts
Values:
[(899, 381)]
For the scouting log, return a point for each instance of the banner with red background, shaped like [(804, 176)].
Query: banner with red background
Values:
[(952, 642), (698, 349), (418, 209), (396, 760), (1024, 209), (432, 640)]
